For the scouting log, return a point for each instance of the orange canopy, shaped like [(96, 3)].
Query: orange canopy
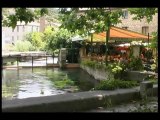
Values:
[(119, 34)]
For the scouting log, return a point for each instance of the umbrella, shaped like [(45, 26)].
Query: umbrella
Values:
[(77, 38)]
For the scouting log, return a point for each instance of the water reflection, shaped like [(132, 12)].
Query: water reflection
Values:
[(26, 83)]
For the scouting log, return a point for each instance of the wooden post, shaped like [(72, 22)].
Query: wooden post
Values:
[(91, 43), (107, 38), (53, 59), (32, 63), (148, 47), (46, 61), (72, 50), (17, 63), (148, 40)]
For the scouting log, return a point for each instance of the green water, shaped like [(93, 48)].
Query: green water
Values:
[(25, 83)]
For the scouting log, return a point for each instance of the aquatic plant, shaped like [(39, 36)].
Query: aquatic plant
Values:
[(64, 83), (9, 91)]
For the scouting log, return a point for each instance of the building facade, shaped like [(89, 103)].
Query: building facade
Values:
[(12, 35), (138, 26)]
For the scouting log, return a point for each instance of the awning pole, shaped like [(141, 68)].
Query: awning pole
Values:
[(107, 38), (72, 50), (148, 40), (91, 43)]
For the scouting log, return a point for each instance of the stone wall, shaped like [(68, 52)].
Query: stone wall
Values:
[(137, 75), (98, 74), (101, 74), (136, 25), (74, 102)]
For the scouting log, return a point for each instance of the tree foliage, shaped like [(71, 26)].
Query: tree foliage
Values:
[(97, 19), (23, 46), (12, 15), (50, 40), (52, 16), (36, 39), (154, 41), (56, 39), (92, 19), (141, 13)]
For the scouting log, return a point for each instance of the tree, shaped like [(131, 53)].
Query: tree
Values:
[(52, 16), (91, 19), (56, 39), (97, 19), (36, 39), (48, 34), (10, 16), (154, 41), (141, 13)]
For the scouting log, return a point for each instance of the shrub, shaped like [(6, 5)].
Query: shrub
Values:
[(89, 63), (94, 64), (55, 39), (135, 64), (126, 84), (22, 46), (117, 69), (36, 39), (114, 84)]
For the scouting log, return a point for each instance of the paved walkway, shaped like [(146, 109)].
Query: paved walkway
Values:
[(152, 103)]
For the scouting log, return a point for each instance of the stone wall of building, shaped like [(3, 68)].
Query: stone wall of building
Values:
[(19, 32), (136, 25)]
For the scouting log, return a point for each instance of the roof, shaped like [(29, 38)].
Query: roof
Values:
[(117, 33)]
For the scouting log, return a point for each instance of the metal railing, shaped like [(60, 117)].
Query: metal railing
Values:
[(17, 58)]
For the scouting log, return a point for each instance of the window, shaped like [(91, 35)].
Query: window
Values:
[(12, 38), (37, 29), (17, 28), (17, 37), (125, 14), (23, 28), (125, 27), (32, 28), (145, 30)]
